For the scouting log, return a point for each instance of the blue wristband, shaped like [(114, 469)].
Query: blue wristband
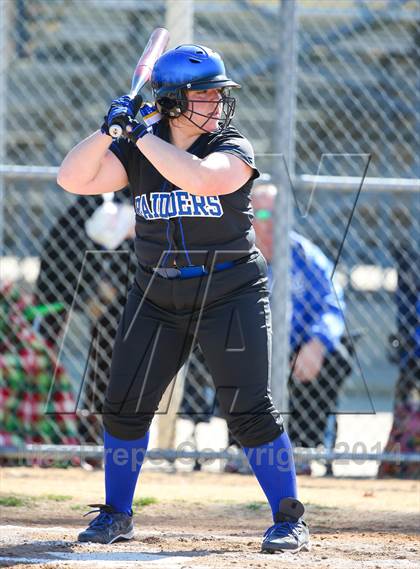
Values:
[(138, 132)]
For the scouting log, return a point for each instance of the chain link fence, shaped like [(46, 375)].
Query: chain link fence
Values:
[(356, 100)]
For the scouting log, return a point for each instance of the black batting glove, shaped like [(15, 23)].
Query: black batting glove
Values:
[(137, 129), (122, 110)]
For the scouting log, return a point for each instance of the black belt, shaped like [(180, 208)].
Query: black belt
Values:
[(193, 270)]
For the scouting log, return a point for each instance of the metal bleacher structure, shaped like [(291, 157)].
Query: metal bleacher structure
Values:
[(70, 60)]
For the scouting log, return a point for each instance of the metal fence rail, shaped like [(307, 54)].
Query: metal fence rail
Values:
[(356, 73), (67, 452)]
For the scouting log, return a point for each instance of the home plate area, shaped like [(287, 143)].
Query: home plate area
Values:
[(205, 520), (25, 547)]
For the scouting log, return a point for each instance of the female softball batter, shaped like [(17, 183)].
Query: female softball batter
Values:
[(200, 278)]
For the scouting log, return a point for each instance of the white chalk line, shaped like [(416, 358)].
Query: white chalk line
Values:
[(92, 561)]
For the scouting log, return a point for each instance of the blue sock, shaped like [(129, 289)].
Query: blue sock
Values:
[(123, 461), (274, 468)]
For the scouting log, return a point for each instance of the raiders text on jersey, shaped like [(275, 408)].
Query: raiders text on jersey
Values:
[(163, 205)]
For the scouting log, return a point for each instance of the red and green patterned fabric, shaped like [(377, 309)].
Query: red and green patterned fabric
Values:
[(405, 432), (33, 408)]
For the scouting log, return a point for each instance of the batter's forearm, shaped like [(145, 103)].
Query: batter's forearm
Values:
[(181, 168), (83, 162)]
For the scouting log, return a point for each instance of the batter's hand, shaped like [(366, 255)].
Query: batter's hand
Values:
[(122, 111), (136, 129), (309, 361)]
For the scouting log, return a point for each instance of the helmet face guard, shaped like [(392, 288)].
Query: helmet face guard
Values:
[(175, 104), (190, 68)]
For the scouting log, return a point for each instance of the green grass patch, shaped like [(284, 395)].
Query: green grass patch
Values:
[(13, 501), (145, 501), (254, 506), (57, 497), (78, 507)]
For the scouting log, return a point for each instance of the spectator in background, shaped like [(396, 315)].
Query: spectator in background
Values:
[(61, 261), (320, 361), (405, 432), (90, 223)]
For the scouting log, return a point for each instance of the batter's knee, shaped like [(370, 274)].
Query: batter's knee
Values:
[(256, 428), (124, 425)]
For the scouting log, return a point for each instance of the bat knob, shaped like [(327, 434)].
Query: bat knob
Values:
[(115, 130)]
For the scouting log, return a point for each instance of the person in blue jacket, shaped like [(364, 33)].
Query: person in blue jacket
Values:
[(319, 359)]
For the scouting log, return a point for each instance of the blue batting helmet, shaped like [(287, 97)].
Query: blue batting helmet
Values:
[(190, 68)]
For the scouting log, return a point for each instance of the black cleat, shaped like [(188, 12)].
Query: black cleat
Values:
[(290, 532), (108, 526)]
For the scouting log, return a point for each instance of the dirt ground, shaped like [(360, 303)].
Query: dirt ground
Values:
[(206, 520)]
